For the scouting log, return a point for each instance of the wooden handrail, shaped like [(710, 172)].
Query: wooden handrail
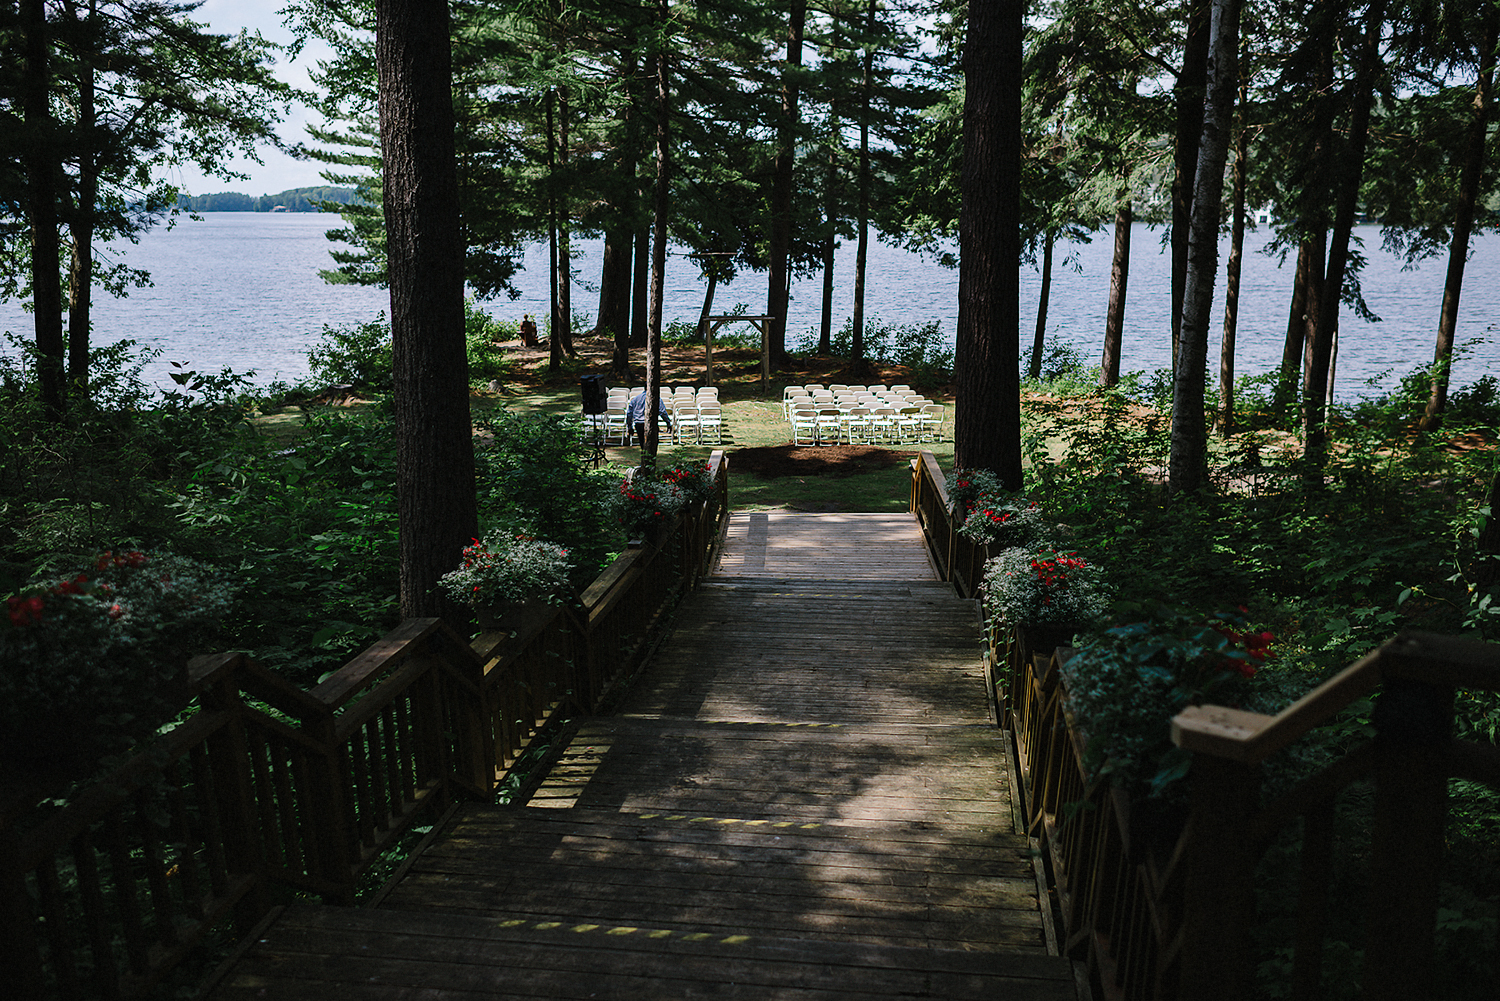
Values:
[(308, 800), (1176, 920)]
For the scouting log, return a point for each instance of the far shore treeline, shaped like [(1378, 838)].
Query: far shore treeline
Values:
[(291, 200)]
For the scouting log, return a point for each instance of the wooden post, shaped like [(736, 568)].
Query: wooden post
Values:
[(765, 354), (708, 352), (1413, 726), (234, 790), (20, 951), (1219, 895)]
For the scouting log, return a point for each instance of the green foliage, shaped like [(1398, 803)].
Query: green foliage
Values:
[(1126, 683), (506, 568), (96, 660), (483, 334), (358, 355), (1042, 586), (533, 480), (919, 347)]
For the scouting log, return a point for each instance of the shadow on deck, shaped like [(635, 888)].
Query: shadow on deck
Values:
[(803, 796)]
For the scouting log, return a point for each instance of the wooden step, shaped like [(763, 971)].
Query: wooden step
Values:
[(312, 953)]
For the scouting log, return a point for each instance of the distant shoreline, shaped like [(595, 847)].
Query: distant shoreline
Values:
[(291, 200)]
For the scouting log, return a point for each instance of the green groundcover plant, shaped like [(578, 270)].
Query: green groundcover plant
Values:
[(1043, 586), (96, 660), (1125, 684), (506, 568)]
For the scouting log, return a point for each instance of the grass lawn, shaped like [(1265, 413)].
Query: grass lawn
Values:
[(844, 480)]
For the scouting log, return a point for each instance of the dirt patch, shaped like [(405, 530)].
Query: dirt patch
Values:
[(769, 462)]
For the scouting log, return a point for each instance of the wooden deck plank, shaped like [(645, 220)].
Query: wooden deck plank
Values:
[(801, 798), (365, 954)]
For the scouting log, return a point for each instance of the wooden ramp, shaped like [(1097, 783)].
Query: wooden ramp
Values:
[(803, 798)]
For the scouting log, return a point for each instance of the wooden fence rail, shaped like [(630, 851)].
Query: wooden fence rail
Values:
[(1160, 904), (267, 785)]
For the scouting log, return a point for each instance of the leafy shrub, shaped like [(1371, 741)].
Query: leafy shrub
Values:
[(509, 568), (96, 660), (1042, 586), (645, 501), (1125, 685), (533, 480), (483, 334), (358, 356)]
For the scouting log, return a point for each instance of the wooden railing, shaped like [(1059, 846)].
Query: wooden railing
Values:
[(960, 561), (267, 789), (1160, 903)]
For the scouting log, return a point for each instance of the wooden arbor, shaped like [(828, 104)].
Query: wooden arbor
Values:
[(759, 323)]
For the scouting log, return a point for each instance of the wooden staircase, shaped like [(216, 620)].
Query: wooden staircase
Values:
[(802, 797)]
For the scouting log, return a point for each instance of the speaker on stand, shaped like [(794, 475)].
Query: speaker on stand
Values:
[(594, 397)]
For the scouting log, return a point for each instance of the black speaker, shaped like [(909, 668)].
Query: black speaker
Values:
[(593, 393)]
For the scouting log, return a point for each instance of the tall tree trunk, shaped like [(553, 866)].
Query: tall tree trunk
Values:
[(1236, 258), (554, 314), (986, 368), (641, 289), (1463, 221), (708, 303), (81, 225), (564, 233), (434, 443), (1119, 282), (830, 240), (1289, 376), (659, 244), (862, 250), (1039, 340), (781, 184), (41, 177), (1315, 195), (614, 297), (1314, 390), (1188, 96), (1188, 468)]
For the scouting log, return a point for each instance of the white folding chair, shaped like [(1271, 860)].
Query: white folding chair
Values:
[(804, 426), (685, 424), (710, 424)]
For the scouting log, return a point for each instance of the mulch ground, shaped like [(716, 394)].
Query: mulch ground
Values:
[(769, 462)]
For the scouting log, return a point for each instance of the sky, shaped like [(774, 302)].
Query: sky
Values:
[(279, 171)]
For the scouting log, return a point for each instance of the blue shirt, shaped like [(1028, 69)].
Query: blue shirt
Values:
[(635, 413)]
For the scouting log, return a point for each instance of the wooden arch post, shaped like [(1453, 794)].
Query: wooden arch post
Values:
[(759, 323)]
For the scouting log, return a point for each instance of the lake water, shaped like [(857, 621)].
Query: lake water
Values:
[(241, 290)]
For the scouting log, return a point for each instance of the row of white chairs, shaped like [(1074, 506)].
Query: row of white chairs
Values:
[(798, 396), (831, 424), (696, 422)]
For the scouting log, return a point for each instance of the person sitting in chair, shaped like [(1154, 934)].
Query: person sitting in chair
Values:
[(635, 416)]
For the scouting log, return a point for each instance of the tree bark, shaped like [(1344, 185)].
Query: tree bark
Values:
[(1314, 390), (640, 301), (659, 244), (1463, 222), (81, 225), (564, 233), (434, 443), (41, 163), (830, 241), (781, 184), (554, 314), (1289, 376), (1119, 282), (614, 297), (1039, 340), (987, 427), (1232, 273), (862, 250), (1188, 96), (1187, 468)]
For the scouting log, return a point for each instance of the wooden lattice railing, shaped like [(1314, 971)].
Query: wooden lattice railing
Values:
[(1160, 904), (267, 789)]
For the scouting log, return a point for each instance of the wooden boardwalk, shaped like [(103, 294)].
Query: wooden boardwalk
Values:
[(802, 798)]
